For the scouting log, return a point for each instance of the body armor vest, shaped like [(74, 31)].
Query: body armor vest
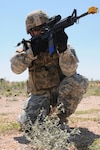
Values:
[(44, 74)]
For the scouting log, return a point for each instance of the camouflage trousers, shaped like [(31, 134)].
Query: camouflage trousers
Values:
[(66, 98)]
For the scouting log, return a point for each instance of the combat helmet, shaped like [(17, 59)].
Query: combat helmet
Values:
[(36, 18)]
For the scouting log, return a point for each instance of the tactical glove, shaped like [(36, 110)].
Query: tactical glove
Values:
[(60, 40), (39, 45)]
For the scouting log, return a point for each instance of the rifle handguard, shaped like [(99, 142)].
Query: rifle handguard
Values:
[(93, 10)]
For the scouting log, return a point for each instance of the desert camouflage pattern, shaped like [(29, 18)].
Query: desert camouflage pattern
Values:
[(50, 82), (45, 71), (44, 74), (66, 99), (33, 107), (71, 92), (68, 62), (21, 61), (36, 18)]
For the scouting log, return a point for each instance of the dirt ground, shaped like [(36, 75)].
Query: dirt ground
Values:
[(14, 140)]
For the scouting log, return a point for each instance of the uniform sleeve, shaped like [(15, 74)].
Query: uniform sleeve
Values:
[(21, 61), (68, 62)]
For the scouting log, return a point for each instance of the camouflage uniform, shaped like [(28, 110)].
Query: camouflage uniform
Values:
[(52, 81)]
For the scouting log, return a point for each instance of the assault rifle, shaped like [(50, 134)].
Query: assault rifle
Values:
[(56, 23)]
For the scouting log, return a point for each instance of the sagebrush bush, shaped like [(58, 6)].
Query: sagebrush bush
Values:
[(48, 135)]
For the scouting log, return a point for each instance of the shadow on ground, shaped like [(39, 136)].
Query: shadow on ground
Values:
[(82, 141), (85, 139), (21, 140)]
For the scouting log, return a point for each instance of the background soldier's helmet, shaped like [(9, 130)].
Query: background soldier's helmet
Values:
[(36, 18)]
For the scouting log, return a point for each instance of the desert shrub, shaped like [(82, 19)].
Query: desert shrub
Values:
[(93, 89), (49, 135), (12, 88), (19, 88)]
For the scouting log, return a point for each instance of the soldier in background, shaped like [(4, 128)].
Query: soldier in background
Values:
[(53, 79)]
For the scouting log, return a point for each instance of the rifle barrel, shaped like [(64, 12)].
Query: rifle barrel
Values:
[(78, 17)]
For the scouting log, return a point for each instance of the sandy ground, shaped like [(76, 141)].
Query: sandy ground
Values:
[(11, 107)]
